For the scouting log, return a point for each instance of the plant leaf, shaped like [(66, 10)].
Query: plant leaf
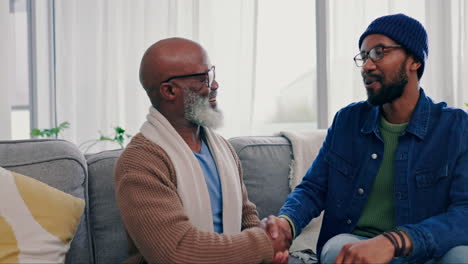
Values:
[(103, 138), (49, 132), (64, 125), (119, 130)]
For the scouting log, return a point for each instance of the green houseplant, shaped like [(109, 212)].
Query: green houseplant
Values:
[(50, 132), (119, 138)]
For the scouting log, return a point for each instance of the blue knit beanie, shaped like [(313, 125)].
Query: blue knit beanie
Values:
[(404, 30)]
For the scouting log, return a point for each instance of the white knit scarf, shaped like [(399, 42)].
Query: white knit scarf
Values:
[(191, 184)]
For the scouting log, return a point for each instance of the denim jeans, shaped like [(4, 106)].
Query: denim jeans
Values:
[(332, 248)]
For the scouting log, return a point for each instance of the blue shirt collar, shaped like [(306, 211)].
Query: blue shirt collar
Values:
[(418, 124)]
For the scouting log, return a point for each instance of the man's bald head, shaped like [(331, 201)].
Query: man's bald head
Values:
[(167, 58)]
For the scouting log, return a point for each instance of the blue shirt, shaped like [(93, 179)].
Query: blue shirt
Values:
[(208, 166), (430, 180)]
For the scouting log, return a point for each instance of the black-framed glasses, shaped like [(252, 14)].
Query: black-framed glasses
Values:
[(375, 54), (210, 76)]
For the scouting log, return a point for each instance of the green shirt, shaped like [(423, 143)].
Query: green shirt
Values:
[(378, 215)]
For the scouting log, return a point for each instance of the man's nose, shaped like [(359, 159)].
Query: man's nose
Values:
[(368, 65), (214, 85)]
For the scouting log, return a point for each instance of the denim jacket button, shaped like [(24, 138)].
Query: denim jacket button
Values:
[(360, 191), (374, 156), (398, 195), (349, 221)]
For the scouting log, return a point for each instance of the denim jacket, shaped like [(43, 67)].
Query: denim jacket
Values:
[(430, 180)]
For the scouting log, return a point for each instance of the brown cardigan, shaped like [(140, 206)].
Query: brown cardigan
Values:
[(158, 229)]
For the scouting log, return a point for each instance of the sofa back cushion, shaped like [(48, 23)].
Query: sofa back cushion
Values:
[(37, 222), (61, 165), (265, 163), (107, 231)]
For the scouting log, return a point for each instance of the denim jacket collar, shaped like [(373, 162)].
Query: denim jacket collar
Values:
[(418, 124)]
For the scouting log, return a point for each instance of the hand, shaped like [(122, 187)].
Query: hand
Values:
[(281, 257), (279, 232), (376, 250)]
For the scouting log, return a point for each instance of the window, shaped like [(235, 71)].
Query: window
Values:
[(21, 98), (285, 87), (281, 65)]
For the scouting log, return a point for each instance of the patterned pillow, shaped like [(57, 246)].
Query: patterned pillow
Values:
[(37, 222)]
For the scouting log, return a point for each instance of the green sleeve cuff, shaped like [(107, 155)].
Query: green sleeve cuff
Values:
[(291, 224)]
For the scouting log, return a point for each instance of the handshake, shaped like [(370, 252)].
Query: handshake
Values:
[(280, 234)]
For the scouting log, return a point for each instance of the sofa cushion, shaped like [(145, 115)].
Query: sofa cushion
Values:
[(265, 163), (37, 222), (46, 161), (107, 231)]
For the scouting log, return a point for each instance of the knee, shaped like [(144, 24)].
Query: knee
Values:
[(457, 254), (332, 248)]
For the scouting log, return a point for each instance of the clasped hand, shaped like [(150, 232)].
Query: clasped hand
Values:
[(279, 232)]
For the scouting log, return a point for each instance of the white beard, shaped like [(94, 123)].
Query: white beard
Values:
[(199, 111)]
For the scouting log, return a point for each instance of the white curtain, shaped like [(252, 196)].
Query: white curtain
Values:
[(7, 50), (99, 45), (446, 77), (446, 74)]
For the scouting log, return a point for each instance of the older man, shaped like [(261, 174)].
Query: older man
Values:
[(178, 184), (392, 175)]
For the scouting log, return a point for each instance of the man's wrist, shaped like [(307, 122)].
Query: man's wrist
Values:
[(291, 225), (393, 240), (408, 243), (401, 242)]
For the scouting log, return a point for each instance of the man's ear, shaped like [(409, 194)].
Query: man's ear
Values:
[(167, 91), (415, 64)]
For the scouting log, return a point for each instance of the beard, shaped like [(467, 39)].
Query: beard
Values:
[(388, 92), (197, 109)]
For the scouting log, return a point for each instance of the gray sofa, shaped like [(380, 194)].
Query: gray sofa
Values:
[(100, 237)]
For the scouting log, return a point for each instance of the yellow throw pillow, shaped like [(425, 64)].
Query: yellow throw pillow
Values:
[(37, 222)]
